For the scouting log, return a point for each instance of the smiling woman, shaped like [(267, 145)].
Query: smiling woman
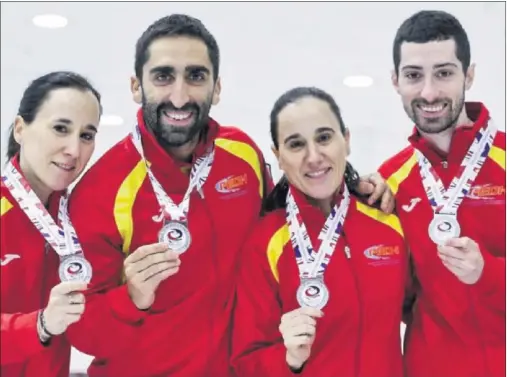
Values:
[(286, 284), (51, 142)]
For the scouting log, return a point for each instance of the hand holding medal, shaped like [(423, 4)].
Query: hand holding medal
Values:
[(463, 258), (65, 307), (145, 269), (298, 331)]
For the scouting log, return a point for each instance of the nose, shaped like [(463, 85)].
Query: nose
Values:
[(179, 93), (429, 91), (313, 156), (72, 147)]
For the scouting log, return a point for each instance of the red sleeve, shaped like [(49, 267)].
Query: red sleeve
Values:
[(490, 288), (111, 319), (257, 345), (19, 339)]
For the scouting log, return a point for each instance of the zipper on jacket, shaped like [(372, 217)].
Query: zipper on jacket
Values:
[(347, 252), (478, 329), (445, 164), (359, 300), (210, 357)]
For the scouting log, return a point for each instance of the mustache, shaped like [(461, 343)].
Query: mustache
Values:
[(422, 101), (169, 106)]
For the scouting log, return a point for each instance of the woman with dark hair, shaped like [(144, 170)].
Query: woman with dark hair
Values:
[(44, 270), (319, 250)]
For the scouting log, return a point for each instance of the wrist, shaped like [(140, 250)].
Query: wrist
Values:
[(42, 331), (294, 364)]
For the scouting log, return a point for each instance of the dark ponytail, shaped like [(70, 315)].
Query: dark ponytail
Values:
[(277, 197)]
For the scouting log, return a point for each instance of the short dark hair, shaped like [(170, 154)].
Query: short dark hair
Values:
[(432, 25), (38, 91), (276, 199), (173, 26)]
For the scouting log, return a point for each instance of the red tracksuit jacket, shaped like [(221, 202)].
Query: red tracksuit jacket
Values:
[(359, 334), (458, 330), (186, 333), (29, 270)]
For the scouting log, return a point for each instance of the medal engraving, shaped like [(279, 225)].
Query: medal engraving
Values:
[(443, 228), (176, 235), (313, 293), (75, 268)]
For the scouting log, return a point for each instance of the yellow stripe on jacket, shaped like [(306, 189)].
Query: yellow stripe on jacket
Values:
[(395, 180), (498, 155), (5, 206), (275, 248), (124, 203)]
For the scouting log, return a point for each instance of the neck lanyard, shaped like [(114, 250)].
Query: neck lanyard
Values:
[(313, 263), (175, 232), (198, 175), (445, 203), (62, 238)]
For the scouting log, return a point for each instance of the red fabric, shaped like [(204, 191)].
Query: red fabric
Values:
[(26, 282), (359, 334), (186, 332), (457, 329)]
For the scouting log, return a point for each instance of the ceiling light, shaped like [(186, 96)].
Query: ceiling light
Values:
[(50, 21), (111, 120), (358, 81)]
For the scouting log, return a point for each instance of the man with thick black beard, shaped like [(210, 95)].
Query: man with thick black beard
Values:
[(162, 217)]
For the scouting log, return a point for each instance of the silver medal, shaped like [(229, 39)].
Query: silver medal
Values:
[(176, 235), (443, 227), (75, 268), (312, 293)]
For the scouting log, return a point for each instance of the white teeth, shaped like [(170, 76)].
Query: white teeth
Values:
[(316, 174), (177, 116), (432, 109), (65, 167)]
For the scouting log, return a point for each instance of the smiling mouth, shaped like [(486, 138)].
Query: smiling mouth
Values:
[(66, 167), (318, 173), (178, 118), (432, 110)]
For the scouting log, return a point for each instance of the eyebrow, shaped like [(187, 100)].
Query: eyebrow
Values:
[(69, 122), (436, 66), (318, 130), (167, 69)]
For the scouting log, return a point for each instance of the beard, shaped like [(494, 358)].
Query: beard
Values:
[(169, 135), (437, 124)]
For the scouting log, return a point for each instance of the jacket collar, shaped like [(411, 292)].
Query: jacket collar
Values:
[(462, 138), (306, 207)]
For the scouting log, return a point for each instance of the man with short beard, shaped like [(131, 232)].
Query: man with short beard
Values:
[(449, 186)]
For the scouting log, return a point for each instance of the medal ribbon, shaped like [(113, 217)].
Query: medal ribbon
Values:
[(448, 201), (63, 239), (198, 175), (312, 263)]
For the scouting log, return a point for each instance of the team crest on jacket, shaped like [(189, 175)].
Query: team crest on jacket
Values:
[(494, 194), (380, 255), (232, 184)]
